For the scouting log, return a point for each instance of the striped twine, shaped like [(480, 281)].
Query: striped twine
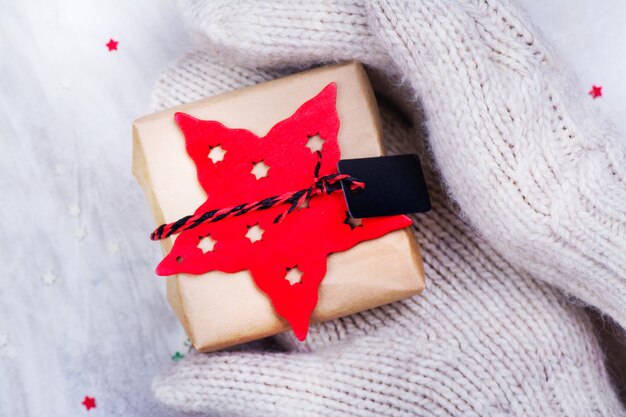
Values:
[(327, 184)]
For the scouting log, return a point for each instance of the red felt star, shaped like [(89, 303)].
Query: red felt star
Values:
[(89, 402), (595, 91), (112, 45), (303, 239)]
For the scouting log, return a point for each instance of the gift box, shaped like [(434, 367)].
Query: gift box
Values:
[(235, 289)]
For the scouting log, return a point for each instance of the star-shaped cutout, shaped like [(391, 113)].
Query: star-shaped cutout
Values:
[(217, 154), (89, 402), (352, 222), (254, 233), (113, 247), (207, 244), (80, 232), (305, 204), (259, 170), (4, 340), (177, 356), (595, 91), (315, 143), (48, 278), (294, 275), (73, 210), (112, 45)]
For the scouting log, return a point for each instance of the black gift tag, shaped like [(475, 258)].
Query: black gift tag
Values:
[(393, 185)]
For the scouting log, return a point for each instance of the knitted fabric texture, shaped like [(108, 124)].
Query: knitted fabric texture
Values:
[(528, 194)]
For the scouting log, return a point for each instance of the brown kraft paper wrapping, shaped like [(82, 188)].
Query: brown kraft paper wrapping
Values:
[(218, 309)]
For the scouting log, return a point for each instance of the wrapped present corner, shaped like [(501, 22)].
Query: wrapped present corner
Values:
[(258, 271)]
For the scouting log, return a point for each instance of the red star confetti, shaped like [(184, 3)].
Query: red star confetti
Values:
[(249, 169), (112, 45), (595, 92), (89, 402)]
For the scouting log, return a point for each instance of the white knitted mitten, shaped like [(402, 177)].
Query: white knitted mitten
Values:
[(533, 169), (485, 338)]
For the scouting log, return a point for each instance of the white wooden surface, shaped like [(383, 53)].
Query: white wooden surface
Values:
[(103, 328)]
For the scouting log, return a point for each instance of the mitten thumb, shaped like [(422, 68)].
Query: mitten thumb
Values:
[(285, 33)]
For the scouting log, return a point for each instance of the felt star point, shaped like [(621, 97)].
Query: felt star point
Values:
[(112, 45)]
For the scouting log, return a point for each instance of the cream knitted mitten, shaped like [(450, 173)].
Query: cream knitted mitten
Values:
[(484, 339), (533, 169), (529, 169)]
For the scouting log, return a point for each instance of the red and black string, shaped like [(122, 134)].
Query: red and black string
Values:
[(327, 184)]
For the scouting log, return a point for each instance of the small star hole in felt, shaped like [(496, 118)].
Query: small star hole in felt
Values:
[(315, 143), (260, 169), (303, 238), (294, 275), (352, 222), (216, 154), (206, 244), (254, 233)]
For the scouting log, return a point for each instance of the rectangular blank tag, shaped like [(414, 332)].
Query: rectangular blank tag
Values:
[(393, 185)]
